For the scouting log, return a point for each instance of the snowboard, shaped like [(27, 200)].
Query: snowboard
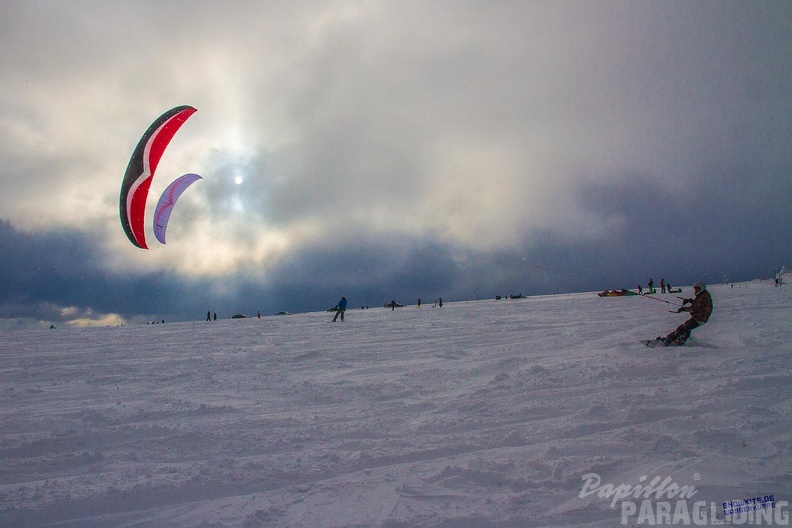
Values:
[(657, 343), (653, 343)]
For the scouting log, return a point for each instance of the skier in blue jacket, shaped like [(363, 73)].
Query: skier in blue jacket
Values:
[(340, 308)]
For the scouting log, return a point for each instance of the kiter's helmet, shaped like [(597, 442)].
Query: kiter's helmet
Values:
[(699, 287)]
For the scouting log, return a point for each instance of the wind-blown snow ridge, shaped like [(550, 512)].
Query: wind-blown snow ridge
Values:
[(484, 414)]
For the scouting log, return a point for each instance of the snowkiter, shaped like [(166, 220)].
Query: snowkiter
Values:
[(700, 310), (340, 308)]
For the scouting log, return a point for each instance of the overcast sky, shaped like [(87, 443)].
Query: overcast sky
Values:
[(385, 150)]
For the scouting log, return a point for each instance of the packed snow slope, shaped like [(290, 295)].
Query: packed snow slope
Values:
[(476, 414)]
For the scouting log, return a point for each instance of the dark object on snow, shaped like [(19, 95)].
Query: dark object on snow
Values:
[(616, 293), (393, 304), (239, 316)]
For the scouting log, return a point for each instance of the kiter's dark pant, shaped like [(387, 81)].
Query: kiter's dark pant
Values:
[(339, 312), (682, 333)]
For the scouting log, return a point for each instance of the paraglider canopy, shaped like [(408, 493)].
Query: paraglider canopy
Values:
[(141, 169), (168, 200)]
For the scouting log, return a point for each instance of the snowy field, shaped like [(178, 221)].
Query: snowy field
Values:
[(476, 414)]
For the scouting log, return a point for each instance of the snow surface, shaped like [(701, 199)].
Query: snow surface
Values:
[(476, 414)]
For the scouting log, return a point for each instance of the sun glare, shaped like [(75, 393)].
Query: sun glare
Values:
[(238, 180)]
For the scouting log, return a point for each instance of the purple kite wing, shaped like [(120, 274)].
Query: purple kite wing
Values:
[(168, 200)]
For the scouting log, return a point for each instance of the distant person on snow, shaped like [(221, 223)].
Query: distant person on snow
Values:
[(700, 310), (340, 308)]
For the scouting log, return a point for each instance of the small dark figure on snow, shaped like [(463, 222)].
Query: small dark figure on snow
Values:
[(340, 308), (700, 310)]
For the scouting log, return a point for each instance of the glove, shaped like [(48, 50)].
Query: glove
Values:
[(687, 301), (681, 309)]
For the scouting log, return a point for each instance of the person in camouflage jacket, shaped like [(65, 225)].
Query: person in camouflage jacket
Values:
[(700, 310)]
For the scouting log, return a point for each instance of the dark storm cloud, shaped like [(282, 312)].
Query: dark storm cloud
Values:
[(727, 223), (59, 276)]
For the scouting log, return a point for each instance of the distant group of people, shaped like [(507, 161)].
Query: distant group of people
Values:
[(339, 309), (665, 287), (341, 306)]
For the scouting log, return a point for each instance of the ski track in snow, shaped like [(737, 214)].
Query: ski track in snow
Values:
[(477, 414)]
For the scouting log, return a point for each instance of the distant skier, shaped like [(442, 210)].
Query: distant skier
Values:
[(209, 315), (340, 308), (651, 287), (662, 286), (700, 310)]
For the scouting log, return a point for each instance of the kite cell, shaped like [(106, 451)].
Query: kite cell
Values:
[(168, 200), (141, 168)]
